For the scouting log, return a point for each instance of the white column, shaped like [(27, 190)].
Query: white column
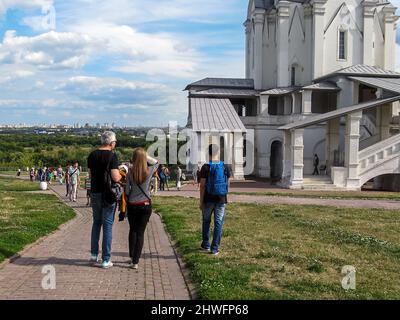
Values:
[(283, 79), (318, 31), (306, 101), (229, 149), (287, 158), (390, 36), (308, 26), (194, 148), (238, 141), (352, 147), (247, 26), (258, 48), (288, 105), (297, 159), (385, 115), (202, 138), (264, 100), (369, 7), (332, 140)]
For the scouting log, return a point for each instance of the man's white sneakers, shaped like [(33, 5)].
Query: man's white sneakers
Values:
[(106, 264), (94, 259)]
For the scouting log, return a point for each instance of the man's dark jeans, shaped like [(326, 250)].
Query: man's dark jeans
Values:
[(103, 216), (138, 217)]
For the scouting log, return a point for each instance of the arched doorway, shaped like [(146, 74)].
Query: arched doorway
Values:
[(276, 161)]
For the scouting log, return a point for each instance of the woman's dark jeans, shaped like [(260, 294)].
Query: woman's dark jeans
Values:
[(138, 217)]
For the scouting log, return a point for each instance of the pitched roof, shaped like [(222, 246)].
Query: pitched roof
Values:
[(322, 86), (214, 115), (280, 91), (338, 113), (223, 83), (224, 92), (388, 84), (361, 70)]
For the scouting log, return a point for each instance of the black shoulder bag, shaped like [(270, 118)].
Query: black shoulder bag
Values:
[(112, 191)]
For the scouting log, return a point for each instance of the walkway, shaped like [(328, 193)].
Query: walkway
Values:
[(159, 275), (191, 192)]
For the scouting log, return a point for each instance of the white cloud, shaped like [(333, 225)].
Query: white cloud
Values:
[(51, 50), (24, 4), (118, 93)]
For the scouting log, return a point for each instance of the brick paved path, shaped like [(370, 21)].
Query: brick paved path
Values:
[(192, 192), (159, 276)]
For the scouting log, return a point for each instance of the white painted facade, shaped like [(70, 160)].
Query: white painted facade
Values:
[(305, 35), (291, 46)]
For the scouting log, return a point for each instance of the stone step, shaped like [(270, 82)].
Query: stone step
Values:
[(326, 187)]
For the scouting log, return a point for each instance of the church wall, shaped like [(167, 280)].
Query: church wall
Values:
[(270, 55), (352, 23)]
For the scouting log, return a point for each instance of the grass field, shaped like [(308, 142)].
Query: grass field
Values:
[(289, 252), (26, 217)]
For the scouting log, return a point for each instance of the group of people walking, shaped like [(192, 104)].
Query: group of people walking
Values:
[(106, 178)]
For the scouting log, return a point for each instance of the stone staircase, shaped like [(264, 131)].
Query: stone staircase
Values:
[(380, 158), (319, 183)]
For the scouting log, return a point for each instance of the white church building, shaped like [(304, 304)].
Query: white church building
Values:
[(320, 79)]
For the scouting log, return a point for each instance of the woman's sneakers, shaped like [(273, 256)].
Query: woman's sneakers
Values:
[(133, 265)]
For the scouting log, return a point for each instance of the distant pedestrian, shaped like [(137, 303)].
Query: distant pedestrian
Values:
[(139, 201), (162, 178), (67, 179), (316, 165), (178, 173), (213, 198), (19, 173), (60, 175), (88, 188), (32, 174), (74, 175), (167, 176)]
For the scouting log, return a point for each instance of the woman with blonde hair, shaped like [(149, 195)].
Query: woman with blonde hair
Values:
[(139, 201)]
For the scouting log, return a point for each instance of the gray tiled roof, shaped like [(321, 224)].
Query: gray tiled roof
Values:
[(223, 83), (389, 84), (223, 92), (362, 70), (325, 86), (280, 91), (338, 113), (214, 115)]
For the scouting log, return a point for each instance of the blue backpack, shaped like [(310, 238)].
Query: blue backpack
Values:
[(217, 182)]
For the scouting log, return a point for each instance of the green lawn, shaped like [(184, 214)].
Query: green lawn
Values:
[(12, 184), (355, 195), (26, 217), (289, 252)]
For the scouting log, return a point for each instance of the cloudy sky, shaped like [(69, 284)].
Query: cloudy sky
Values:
[(122, 61)]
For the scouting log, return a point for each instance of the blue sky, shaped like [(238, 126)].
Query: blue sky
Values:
[(121, 61)]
